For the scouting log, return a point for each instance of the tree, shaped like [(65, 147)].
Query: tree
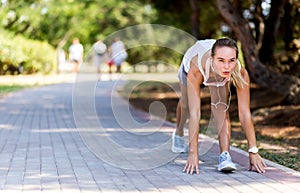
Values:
[(272, 23), (58, 21), (288, 86), (51, 20), (195, 18)]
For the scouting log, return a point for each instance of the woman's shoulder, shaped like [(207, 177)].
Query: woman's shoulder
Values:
[(205, 43)]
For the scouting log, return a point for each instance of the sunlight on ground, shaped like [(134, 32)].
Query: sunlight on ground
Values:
[(35, 80)]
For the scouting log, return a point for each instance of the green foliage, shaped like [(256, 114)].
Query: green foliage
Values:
[(58, 21), (284, 158), (154, 53), (18, 54), (4, 89), (51, 20), (175, 13), (288, 158), (178, 13)]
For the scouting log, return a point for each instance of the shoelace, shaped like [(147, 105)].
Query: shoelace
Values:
[(224, 157), (181, 140)]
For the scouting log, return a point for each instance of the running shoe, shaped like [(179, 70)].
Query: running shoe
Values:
[(225, 163), (177, 143)]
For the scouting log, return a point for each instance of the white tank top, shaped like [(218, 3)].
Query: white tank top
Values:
[(202, 48)]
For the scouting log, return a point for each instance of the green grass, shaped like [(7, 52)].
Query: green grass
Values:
[(9, 83), (289, 158), (4, 89)]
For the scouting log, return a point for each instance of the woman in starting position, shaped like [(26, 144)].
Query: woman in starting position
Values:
[(215, 64)]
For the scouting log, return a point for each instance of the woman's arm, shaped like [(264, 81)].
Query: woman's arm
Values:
[(245, 117), (194, 80)]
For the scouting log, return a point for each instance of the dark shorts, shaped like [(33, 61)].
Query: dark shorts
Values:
[(182, 76)]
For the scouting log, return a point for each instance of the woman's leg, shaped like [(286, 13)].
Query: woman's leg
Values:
[(220, 105), (224, 134), (181, 111)]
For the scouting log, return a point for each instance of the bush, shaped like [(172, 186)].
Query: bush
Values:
[(21, 55)]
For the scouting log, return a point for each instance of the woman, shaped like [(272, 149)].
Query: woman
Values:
[(99, 55), (215, 64)]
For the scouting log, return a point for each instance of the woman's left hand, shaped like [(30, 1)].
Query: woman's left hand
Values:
[(256, 163)]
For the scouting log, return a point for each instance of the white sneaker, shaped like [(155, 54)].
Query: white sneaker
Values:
[(225, 163), (177, 143)]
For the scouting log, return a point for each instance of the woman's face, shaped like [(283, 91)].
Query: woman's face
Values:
[(224, 61)]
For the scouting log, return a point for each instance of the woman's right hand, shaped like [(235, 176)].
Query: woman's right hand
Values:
[(191, 165)]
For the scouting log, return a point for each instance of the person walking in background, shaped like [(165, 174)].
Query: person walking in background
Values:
[(215, 64), (76, 54), (118, 53), (99, 55)]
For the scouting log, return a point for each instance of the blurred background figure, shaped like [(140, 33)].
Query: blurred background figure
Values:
[(118, 53), (76, 54), (99, 55)]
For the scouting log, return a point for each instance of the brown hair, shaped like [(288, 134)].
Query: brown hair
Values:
[(224, 42)]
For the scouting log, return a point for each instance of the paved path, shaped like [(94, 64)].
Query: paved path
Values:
[(49, 144)]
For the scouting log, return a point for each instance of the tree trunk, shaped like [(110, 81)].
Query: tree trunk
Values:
[(288, 86), (266, 51), (259, 23), (195, 18), (287, 23)]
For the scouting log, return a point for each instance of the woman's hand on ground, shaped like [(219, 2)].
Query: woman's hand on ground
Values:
[(191, 165), (256, 163)]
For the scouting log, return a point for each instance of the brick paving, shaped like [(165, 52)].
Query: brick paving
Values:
[(48, 143)]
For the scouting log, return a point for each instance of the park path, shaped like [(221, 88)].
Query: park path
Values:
[(45, 147)]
